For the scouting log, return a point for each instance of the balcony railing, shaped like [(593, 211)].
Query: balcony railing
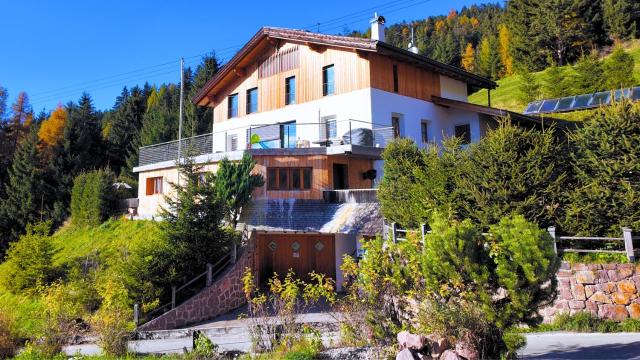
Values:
[(272, 136)]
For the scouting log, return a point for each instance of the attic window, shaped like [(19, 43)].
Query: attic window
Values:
[(282, 61)]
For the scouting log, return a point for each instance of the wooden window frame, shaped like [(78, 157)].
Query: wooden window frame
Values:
[(250, 103), (154, 185), (274, 178), (289, 98), (325, 80)]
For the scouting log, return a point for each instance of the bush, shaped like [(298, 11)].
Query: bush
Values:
[(29, 261), (8, 341), (61, 315), (113, 321), (468, 286), (92, 198)]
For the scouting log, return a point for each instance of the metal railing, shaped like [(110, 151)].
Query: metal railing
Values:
[(303, 135), (351, 196)]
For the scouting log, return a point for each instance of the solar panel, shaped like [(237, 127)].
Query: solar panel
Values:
[(533, 107), (549, 105), (635, 94), (565, 103), (601, 98), (582, 101), (621, 93)]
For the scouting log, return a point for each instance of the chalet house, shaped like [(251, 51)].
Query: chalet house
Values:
[(316, 112)]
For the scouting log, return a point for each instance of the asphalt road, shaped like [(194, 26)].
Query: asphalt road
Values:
[(554, 345)]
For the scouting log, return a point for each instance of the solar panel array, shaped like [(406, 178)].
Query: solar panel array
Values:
[(581, 102)]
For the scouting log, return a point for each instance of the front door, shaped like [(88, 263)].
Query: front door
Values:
[(302, 253)]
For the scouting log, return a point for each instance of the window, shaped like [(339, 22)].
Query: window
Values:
[(289, 178), (330, 127), (154, 185), (328, 81), (288, 135), (395, 78), (232, 106), (232, 142), (290, 90), (464, 133), (424, 131), (252, 101), (395, 124)]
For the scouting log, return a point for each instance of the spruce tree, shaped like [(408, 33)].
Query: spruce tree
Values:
[(554, 84), (82, 138), (589, 76), (529, 88), (606, 195), (618, 70), (619, 18), (488, 59), (124, 131)]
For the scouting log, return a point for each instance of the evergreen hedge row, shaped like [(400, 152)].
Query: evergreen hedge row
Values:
[(92, 198)]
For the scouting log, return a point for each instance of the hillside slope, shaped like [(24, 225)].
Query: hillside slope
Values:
[(506, 95)]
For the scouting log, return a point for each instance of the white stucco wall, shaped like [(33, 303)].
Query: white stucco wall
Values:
[(453, 89)]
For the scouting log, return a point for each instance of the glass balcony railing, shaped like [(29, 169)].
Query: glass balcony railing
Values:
[(327, 133)]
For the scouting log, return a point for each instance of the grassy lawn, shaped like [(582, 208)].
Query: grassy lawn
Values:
[(505, 96)]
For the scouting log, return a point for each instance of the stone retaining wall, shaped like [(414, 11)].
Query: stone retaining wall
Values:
[(224, 295), (608, 291)]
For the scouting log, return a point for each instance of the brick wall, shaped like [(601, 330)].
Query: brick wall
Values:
[(221, 297), (608, 291)]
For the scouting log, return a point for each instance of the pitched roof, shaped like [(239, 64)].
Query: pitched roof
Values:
[(363, 44), (313, 216)]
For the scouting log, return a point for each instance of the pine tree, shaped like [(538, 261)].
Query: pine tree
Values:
[(488, 60), (82, 138), (234, 183), (618, 70), (554, 84), (469, 58), (446, 49), (124, 131), (529, 88), (122, 98), (25, 201), (589, 76), (619, 18), (198, 120)]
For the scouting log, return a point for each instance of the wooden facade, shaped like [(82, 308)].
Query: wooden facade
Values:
[(322, 174), (354, 70)]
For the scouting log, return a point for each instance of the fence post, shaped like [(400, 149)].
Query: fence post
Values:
[(209, 274), (628, 243), (423, 230), (552, 232), (393, 232), (136, 314), (173, 297)]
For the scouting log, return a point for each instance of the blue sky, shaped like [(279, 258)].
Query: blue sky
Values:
[(54, 50)]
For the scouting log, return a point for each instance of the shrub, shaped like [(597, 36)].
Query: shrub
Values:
[(8, 341), (92, 197), (29, 261), (113, 321), (61, 315)]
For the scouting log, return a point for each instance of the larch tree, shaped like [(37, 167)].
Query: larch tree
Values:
[(52, 129), (504, 49), (469, 58), (20, 119), (488, 59)]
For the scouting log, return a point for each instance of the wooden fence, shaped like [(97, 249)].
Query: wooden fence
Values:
[(394, 233)]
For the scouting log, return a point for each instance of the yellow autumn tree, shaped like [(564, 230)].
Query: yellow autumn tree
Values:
[(52, 128), (504, 49), (469, 58)]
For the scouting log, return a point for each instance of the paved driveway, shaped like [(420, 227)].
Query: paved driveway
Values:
[(562, 345)]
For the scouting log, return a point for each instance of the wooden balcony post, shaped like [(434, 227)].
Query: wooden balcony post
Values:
[(628, 243), (552, 232), (209, 274)]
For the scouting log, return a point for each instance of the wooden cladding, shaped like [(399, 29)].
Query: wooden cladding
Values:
[(403, 78), (285, 60)]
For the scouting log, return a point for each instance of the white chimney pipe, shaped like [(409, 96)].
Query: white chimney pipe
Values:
[(412, 45), (377, 27)]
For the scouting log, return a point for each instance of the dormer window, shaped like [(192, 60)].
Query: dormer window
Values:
[(232, 106), (328, 81)]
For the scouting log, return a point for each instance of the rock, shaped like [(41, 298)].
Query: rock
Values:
[(627, 287), (634, 310), (625, 270), (407, 340), (591, 306), (450, 355), (594, 267), (565, 265), (609, 266), (579, 267), (589, 290), (576, 305), (565, 294), (613, 312), (621, 298), (407, 354), (607, 287), (467, 350), (437, 345), (563, 273), (579, 292), (600, 297), (602, 276), (585, 277)]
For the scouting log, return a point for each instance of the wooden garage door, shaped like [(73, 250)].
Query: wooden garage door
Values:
[(303, 253)]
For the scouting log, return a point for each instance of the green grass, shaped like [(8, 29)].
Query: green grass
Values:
[(109, 240), (585, 322), (505, 96)]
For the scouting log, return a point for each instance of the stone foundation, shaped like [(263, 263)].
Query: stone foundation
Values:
[(608, 291), (224, 295)]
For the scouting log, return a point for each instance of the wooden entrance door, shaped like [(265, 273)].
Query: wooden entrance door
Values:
[(302, 253)]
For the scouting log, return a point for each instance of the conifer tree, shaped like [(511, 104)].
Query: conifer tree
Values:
[(589, 76), (529, 88), (469, 58), (52, 129), (619, 18), (618, 70), (82, 139), (446, 49), (488, 60), (20, 119), (554, 84), (124, 131), (3, 103), (505, 50), (198, 120)]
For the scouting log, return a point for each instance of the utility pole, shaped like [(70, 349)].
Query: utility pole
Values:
[(180, 118)]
